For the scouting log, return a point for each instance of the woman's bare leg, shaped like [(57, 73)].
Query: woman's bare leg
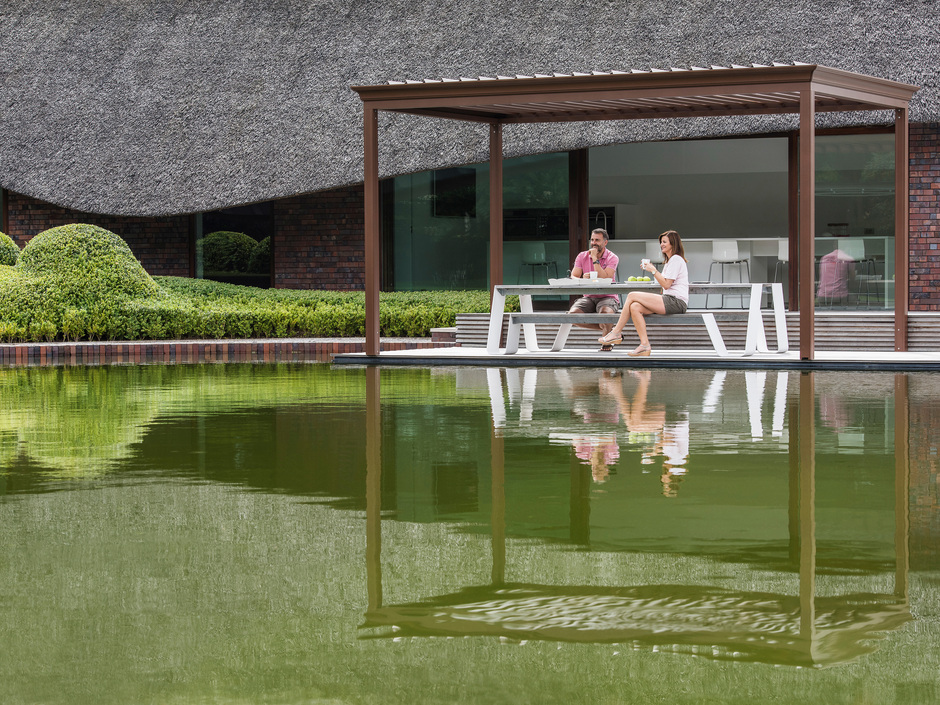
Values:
[(645, 302)]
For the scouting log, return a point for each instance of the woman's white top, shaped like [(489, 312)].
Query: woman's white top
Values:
[(678, 270)]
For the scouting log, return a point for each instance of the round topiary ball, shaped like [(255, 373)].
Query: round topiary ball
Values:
[(85, 265), (226, 251), (9, 252), (260, 262)]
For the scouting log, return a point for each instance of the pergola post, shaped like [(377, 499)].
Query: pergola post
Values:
[(496, 204), (901, 228), (807, 218), (577, 202), (370, 130)]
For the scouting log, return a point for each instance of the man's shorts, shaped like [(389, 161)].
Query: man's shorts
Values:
[(589, 304), (674, 304)]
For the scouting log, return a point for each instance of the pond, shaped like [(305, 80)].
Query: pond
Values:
[(310, 534)]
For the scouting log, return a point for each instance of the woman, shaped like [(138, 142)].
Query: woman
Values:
[(674, 279)]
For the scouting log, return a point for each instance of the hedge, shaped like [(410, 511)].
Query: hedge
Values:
[(9, 252), (81, 282), (227, 251)]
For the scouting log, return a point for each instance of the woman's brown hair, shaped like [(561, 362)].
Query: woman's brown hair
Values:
[(675, 241)]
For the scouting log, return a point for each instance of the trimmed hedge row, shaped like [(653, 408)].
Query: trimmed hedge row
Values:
[(81, 282)]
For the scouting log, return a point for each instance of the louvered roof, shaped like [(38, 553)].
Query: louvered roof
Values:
[(655, 93)]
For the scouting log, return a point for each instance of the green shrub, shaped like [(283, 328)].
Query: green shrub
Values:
[(9, 252), (226, 251), (80, 282), (260, 260), (86, 266)]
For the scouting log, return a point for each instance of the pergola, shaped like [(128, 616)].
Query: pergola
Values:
[(803, 89)]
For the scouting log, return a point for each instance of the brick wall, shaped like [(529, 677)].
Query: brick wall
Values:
[(925, 217), (161, 244), (318, 241)]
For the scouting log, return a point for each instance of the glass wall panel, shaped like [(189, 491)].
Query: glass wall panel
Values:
[(234, 245), (733, 189), (855, 221), (437, 230), (437, 224)]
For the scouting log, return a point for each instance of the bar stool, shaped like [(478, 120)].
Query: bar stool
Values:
[(854, 249), (725, 253), (783, 259), (653, 253), (533, 256)]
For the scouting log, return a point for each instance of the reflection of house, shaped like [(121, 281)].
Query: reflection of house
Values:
[(227, 105)]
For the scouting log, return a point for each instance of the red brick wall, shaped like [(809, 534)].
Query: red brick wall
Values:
[(925, 217), (318, 240), (161, 244)]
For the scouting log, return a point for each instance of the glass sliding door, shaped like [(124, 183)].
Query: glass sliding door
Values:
[(855, 221), (436, 224)]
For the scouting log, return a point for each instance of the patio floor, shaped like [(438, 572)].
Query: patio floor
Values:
[(828, 360)]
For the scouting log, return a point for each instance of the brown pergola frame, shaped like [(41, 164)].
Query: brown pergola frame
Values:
[(803, 89)]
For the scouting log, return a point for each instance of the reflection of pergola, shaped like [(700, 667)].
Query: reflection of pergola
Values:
[(759, 90), (804, 629)]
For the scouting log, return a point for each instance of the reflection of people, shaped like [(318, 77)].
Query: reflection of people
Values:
[(604, 262), (835, 268), (674, 279), (675, 449), (646, 424), (600, 452)]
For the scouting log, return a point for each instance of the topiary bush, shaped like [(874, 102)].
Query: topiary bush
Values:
[(9, 252), (260, 261), (227, 251), (72, 281), (86, 265)]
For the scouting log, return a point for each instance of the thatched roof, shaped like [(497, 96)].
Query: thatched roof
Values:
[(149, 107)]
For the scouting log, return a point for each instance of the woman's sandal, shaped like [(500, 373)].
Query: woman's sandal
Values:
[(640, 351), (608, 344)]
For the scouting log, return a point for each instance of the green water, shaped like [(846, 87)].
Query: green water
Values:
[(308, 534)]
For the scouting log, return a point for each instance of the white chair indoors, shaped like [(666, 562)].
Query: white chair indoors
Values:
[(854, 248), (782, 267), (653, 253), (533, 256), (783, 258), (725, 254)]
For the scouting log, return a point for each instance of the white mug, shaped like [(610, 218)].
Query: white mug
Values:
[(593, 275)]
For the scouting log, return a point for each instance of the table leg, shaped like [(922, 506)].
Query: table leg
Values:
[(561, 337), (715, 335), (756, 339), (497, 309), (780, 320), (528, 329)]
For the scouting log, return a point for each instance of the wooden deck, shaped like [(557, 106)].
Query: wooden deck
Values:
[(858, 340)]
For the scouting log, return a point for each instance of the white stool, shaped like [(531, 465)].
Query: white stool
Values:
[(783, 257), (725, 253), (533, 256), (653, 253)]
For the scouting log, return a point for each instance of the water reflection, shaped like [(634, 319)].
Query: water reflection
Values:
[(812, 625), (754, 516)]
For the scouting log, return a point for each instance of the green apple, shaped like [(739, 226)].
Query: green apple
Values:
[(631, 279)]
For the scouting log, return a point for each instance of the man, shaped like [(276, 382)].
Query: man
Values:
[(601, 260)]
